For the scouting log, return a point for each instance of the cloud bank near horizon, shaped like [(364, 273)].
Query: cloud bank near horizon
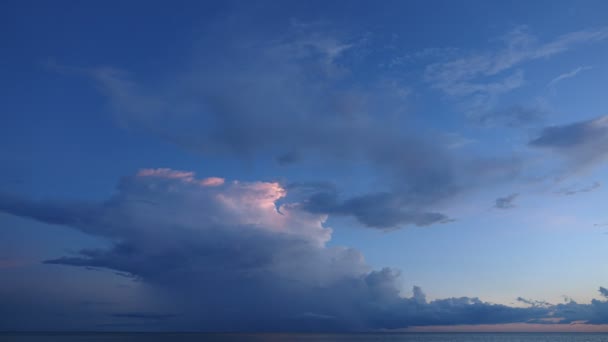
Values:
[(234, 259)]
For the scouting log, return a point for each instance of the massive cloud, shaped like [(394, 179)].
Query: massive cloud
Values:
[(294, 98), (230, 258)]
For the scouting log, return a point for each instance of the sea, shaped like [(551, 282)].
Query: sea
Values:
[(361, 337)]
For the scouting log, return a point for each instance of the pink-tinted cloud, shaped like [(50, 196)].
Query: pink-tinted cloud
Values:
[(212, 181), (167, 173)]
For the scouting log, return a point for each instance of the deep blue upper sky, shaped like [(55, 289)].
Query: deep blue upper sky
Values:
[(302, 165)]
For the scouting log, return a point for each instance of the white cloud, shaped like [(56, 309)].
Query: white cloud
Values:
[(567, 75), (482, 77)]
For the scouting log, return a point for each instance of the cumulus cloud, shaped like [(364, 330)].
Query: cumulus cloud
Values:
[(229, 257), (581, 144), (572, 312), (507, 202)]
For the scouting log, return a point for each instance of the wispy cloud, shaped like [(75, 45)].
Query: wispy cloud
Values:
[(568, 75), (514, 116), (481, 77), (455, 140), (573, 191), (518, 46)]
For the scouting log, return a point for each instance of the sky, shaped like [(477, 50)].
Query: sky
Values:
[(303, 166)]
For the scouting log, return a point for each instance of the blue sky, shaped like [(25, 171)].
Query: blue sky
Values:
[(159, 158)]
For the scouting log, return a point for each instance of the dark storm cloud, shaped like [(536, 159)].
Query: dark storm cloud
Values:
[(582, 143), (227, 256), (507, 202)]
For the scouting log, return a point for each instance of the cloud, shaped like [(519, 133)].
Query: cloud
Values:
[(581, 144), (228, 257), (456, 141), (456, 77), (288, 158), (514, 116), (567, 75), (574, 191), (506, 202), (572, 312), (377, 210), (143, 315), (534, 303), (481, 77), (292, 97)]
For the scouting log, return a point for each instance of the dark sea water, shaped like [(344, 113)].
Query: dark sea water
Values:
[(383, 337)]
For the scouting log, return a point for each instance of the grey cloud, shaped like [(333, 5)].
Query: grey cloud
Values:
[(507, 202), (288, 158), (379, 210), (225, 258), (581, 143), (594, 313), (286, 97), (535, 303), (574, 191)]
